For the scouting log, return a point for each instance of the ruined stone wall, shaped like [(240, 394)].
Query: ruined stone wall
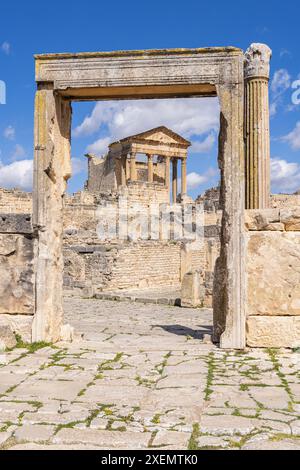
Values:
[(147, 193), (17, 253), (83, 211), (273, 277), (14, 201), (101, 175), (129, 265), (80, 211), (281, 201)]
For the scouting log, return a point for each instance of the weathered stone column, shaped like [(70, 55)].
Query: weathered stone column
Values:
[(229, 299), (127, 166), (174, 180), (132, 167), (183, 177), (123, 170), (167, 173), (257, 126), (52, 168), (150, 168)]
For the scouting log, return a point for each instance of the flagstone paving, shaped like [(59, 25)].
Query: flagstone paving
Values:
[(146, 377)]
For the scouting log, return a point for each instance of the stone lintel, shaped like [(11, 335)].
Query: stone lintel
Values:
[(140, 52)]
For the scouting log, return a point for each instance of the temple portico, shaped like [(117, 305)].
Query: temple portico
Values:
[(122, 165)]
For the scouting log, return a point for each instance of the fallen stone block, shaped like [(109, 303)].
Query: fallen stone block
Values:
[(192, 292)]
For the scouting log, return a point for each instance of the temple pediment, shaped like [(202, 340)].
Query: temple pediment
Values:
[(158, 135)]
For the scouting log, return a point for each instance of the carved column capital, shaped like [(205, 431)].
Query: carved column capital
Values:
[(257, 61)]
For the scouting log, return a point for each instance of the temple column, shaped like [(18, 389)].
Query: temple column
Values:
[(183, 177), (167, 173), (174, 180), (257, 126), (150, 168), (123, 170), (127, 168), (132, 167)]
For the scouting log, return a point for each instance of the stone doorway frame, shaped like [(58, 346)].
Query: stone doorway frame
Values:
[(63, 78)]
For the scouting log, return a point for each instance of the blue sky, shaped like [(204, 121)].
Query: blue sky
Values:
[(33, 27)]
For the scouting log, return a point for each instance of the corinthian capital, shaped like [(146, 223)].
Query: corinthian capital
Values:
[(257, 61)]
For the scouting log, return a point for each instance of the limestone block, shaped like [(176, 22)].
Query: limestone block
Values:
[(16, 274), (192, 290), (291, 218), (15, 223), (273, 270), (273, 332), (7, 337), (263, 219), (21, 325)]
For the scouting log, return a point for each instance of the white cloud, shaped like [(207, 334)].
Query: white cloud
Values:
[(102, 113), (194, 180), (188, 117), (285, 176), (204, 146), (293, 138), (17, 175), (285, 52), (9, 132), (18, 152), (99, 147), (5, 47), (273, 108), (78, 165), (281, 81)]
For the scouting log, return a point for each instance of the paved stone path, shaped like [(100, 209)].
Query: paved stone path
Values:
[(146, 376)]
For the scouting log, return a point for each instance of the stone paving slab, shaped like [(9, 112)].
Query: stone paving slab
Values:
[(105, 439), (146, 376)]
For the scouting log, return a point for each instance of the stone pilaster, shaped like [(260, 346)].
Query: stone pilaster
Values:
[(257, 126)]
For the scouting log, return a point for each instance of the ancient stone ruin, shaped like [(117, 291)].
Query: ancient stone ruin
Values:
[(120, 169), (248, 264)]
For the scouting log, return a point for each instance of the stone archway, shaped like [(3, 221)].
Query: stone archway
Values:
[(62, 78)]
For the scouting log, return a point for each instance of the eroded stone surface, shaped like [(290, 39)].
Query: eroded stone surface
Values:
[(7, 337), (16, 274), (273, 332)]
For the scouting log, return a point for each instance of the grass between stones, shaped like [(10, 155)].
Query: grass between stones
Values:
[(193, 442), (210, 375), (31, 347), (156, 418), (160, 367), (273, 353), (87, 421)]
